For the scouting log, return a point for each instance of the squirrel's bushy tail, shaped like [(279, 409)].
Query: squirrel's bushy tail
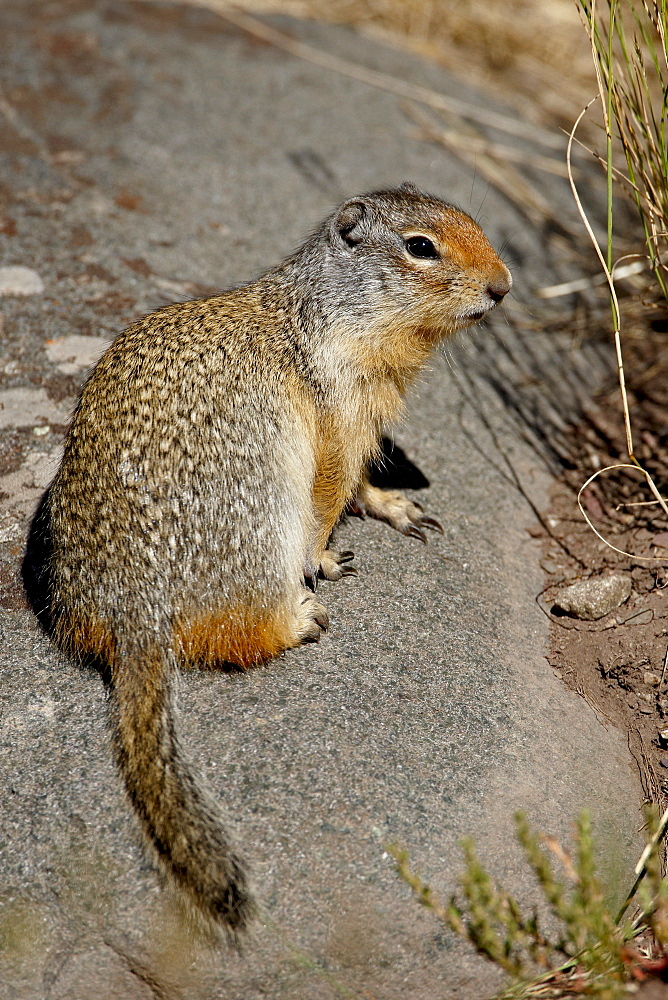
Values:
[(180, 818)]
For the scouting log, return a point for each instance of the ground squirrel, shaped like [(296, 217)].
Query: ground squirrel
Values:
[(213, 449)]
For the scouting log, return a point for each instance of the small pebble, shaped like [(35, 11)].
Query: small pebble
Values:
[(18, 280), (664, 762), (594, 598), (652, 679)]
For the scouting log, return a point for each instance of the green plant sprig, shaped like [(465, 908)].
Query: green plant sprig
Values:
[(590, 950)]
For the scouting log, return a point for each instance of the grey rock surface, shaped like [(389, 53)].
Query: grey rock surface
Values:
[(592, 599), (151, 152)]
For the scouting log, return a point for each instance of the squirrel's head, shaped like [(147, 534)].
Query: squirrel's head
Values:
[(416, 260)]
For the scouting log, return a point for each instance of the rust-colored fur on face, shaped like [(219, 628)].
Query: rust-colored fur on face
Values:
[(213, 449)]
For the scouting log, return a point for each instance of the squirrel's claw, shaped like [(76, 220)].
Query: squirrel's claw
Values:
[(431, 522), (413, 531), (356, 508), (331, 567)]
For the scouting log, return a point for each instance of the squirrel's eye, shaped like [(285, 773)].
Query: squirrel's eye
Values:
[(420, 246)]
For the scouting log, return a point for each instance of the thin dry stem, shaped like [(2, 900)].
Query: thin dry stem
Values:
[(634, 464), (610, 468)]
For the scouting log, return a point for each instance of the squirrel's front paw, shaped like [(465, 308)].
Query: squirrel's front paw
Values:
[(332, 564), (391, 506)]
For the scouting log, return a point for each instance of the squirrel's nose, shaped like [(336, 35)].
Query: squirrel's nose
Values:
[(499, 287)]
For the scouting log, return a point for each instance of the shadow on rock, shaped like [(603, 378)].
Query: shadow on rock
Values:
[(393, 469), (35, 565)]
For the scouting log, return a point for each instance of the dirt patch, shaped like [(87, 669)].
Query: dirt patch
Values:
[(618, 663)]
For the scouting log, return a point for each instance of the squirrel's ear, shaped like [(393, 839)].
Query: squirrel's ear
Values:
[(347, 225), (409, 188)]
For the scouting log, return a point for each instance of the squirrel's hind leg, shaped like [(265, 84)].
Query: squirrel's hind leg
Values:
[(394, 508)]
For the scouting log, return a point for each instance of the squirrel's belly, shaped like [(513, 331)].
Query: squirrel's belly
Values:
[(241, 635)]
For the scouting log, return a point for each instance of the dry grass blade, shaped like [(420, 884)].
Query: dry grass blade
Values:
[(581, 284), (608, 270), (8, 111), (630, 54), (375, 78), (600, 472)]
